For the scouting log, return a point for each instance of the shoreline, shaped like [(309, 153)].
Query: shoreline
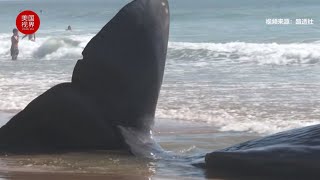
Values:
[(188, 140)]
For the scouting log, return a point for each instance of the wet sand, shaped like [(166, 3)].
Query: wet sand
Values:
[(188, 140), (51, 176)]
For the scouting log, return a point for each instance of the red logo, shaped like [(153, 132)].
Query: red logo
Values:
[(28, 22)]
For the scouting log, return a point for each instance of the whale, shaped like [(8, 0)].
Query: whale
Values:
[(113, 91), (293, 154), (111, 100)]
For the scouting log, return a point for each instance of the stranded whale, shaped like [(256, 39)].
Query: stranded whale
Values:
[(293, 154), (116, 84), (113, 96)]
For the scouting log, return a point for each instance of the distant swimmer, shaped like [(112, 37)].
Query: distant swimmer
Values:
[(69, 28), (31, 37), (41, 11), (14, 44)]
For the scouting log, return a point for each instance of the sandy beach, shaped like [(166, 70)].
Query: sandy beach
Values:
[(189, 140)]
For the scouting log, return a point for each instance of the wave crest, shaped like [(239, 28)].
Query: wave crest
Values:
[(241, 52), (67, 46), (53, 45)]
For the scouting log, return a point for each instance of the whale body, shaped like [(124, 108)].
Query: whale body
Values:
[(293, 154), (116, 84)]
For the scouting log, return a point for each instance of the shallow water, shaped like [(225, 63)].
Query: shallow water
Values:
[(225, 66)]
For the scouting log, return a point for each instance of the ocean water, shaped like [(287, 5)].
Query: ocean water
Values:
[(226, 68)]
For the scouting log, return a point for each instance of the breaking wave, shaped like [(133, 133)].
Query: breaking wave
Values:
[(70, 47), (241, 52), (49, 48)]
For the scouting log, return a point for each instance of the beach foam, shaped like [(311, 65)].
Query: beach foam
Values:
[(60, 47), (69, 46), (242, 52)]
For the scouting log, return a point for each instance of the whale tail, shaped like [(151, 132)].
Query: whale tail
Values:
[(117, 83)]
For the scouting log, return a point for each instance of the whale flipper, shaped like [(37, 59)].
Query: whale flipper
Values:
[(117, 83)]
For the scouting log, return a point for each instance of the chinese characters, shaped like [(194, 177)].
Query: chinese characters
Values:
[(27, 22), (287, 21)]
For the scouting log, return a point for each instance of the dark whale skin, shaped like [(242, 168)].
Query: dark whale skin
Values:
[(293, 154), (117, 83)]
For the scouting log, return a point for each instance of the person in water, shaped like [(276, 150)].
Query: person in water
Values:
[(31, 37), (14, 44), (69, 28)]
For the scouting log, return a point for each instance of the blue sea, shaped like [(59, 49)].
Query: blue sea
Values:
[(228, 71)]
